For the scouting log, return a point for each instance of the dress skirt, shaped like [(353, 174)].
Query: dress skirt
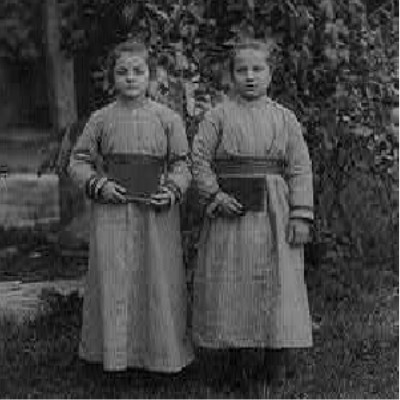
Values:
[(249, 288), (134, 312)]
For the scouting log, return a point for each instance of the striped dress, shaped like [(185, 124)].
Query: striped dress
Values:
[(134, 312), (249, 288)]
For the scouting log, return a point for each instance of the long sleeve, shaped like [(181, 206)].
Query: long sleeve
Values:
[(179, 175), (203, 151), (299, 172), (82, 165)]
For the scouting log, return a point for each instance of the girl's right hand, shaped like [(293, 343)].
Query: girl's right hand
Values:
[(226, 205), (111, 192)]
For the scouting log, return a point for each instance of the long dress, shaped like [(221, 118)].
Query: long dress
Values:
[(134, 312), (249, 288)]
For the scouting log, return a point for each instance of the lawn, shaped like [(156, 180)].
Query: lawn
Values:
[(355, 313)]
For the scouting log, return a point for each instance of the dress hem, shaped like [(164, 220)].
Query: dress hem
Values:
[(233, 343), (131, 364)]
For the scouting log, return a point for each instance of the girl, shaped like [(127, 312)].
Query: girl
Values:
[(134, 312), (249, 289)]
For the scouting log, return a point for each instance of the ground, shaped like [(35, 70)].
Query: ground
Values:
[(355, 355)]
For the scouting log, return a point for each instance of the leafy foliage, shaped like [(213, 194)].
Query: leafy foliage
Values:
[(20, 30), (336, 67)]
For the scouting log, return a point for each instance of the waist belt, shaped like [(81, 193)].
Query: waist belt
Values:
[(143, 159), (250, 166)]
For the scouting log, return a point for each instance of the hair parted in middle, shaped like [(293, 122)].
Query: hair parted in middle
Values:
[(133, 46), (252, 44)]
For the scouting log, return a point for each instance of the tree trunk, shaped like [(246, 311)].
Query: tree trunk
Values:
[(60, 71)]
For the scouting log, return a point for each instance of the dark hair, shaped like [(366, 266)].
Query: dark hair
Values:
[(129, 46), (252, 44)]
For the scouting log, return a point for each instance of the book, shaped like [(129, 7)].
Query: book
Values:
[(247, 190), (138, 174)]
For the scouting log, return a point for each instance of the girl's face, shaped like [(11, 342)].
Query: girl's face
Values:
[(251, 73), (131, 76)]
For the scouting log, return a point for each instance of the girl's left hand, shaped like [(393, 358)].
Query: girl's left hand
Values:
[(164, 198), (298, 232)]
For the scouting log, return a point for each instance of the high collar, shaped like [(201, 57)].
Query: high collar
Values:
[(133, 104), (259, 102)]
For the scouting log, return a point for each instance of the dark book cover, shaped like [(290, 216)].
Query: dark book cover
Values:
[(249, 191), (138, 174)]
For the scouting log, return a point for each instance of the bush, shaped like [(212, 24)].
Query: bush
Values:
[(336, 68)]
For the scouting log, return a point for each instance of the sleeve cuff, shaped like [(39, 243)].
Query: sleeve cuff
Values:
[(94, 185), (302, 212), (174, 188)]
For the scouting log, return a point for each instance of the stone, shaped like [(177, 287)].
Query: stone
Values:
[(23, 300), (28, 201)]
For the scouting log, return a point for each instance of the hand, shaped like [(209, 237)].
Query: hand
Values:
[(225, 204), (298, 232), (111, 192), (163, 198)]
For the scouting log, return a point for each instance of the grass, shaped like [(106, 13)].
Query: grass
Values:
[(355, 354)]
